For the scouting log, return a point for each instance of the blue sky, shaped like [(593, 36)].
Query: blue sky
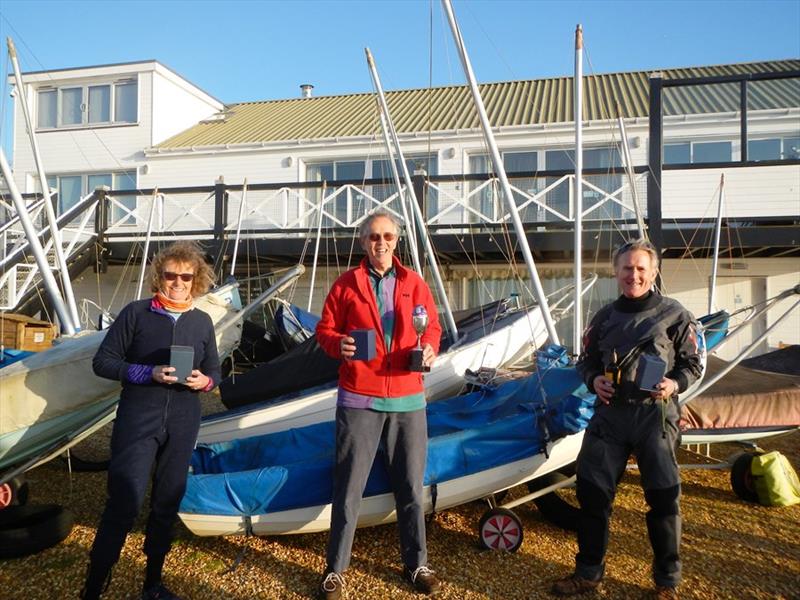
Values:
[(253, 50)]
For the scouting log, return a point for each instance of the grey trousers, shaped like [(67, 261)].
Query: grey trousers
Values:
[(404, 440)]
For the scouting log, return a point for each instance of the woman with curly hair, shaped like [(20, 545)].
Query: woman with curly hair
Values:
[(158, 416)]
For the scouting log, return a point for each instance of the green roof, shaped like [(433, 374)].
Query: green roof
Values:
[(508, 104)]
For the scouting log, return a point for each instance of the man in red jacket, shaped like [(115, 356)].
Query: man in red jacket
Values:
[(381, 402)]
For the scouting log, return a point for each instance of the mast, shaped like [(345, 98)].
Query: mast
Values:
[(541, 298), (386, 122), (147, 244), (36, 247), (61, 261), (578, 200), (383, 110), (715, 262), (242, 204), (626, 153)]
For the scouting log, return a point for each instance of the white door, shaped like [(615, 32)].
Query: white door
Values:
[(734, 293)]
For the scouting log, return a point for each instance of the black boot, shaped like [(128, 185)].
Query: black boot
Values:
[(97, 579)]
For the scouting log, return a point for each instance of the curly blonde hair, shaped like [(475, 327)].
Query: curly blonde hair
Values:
[(183, 252)]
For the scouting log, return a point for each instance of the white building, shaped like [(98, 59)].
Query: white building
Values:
[(141, 126)]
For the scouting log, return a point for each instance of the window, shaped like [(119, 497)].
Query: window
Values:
[(697, 152), (72, 188), (382, 170), (774, 149), (78, 106), (342, 209), (593, 158), (513, 162)]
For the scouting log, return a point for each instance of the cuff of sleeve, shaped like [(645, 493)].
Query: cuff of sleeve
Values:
[(139, 373), (681, 380), (210, 385)]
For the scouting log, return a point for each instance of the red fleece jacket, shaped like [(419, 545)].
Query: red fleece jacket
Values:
[(351, 304)]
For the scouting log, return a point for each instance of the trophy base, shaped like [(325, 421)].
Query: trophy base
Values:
[(415, 362)]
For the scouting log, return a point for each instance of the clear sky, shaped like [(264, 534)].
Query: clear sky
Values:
[(253, 50)]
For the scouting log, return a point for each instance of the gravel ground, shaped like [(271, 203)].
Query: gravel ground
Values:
[(731, 549)]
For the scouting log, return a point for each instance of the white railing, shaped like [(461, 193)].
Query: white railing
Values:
[(17, 275)]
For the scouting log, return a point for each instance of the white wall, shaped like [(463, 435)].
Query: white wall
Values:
[(177, 105)]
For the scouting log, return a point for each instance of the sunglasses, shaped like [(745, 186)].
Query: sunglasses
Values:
[(170, 276), (387, 237)]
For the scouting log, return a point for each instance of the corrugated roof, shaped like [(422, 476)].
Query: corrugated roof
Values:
[(508, 103)]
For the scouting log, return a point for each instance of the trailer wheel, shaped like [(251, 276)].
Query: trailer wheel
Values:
[(500, 529), (29, 529), (553, 507), (13, 492), (742, 477)]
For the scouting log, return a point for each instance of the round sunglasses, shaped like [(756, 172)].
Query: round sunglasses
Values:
[(170, 276)]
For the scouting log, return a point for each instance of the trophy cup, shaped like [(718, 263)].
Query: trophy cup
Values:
[(419, 319)]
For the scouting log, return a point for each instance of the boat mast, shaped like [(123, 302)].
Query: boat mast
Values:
[(48, 205), (578, 200), (323, 193), (388, 127), (539, 294), (147, 244), (715, 261), (626, 153), (36, 247), (242, 204), (383, 110)]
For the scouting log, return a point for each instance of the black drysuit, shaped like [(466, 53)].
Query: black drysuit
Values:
[(634, 423), (155, 423)]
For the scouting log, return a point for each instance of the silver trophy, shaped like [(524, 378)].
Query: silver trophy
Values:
[(419, 320)]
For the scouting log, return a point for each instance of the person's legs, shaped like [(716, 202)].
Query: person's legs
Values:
[(406, 442), (134, 442), (601, 463), (181, 425), (358, 433), (655, 452)]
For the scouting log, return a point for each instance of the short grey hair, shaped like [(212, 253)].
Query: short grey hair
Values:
[(363, 230), (637, 244)]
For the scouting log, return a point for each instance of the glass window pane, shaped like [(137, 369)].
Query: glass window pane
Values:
[(100, 104), (71, 100), (705, 152), (48, 109), (125, 100), (69, 192), (125, 180), (347, 170), (677, 154), (764, 149), (558, 197), (791, 148)]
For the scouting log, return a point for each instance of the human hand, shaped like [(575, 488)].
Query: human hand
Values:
[(665, 389), (428, 355), (161, 374), (603, 388), (347, 347), (197, 381)]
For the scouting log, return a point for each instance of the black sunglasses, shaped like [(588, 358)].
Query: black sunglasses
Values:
[(170, 276), (387, 236)]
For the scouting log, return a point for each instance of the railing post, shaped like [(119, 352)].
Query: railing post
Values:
[(220, 219), (421, 194), (100, 227)]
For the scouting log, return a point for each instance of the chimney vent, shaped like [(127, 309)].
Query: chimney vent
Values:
[(305, 90)]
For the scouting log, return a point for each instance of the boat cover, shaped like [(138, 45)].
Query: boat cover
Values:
[(467, 434), (744, 399), (294, 324)]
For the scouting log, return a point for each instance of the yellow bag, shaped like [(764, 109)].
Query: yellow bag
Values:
[(775, 480)]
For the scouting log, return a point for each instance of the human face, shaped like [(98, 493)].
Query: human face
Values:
[(177, 289), (379, 249), (635, 273)]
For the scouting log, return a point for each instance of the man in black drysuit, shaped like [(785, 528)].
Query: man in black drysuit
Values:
[(629, 420)]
